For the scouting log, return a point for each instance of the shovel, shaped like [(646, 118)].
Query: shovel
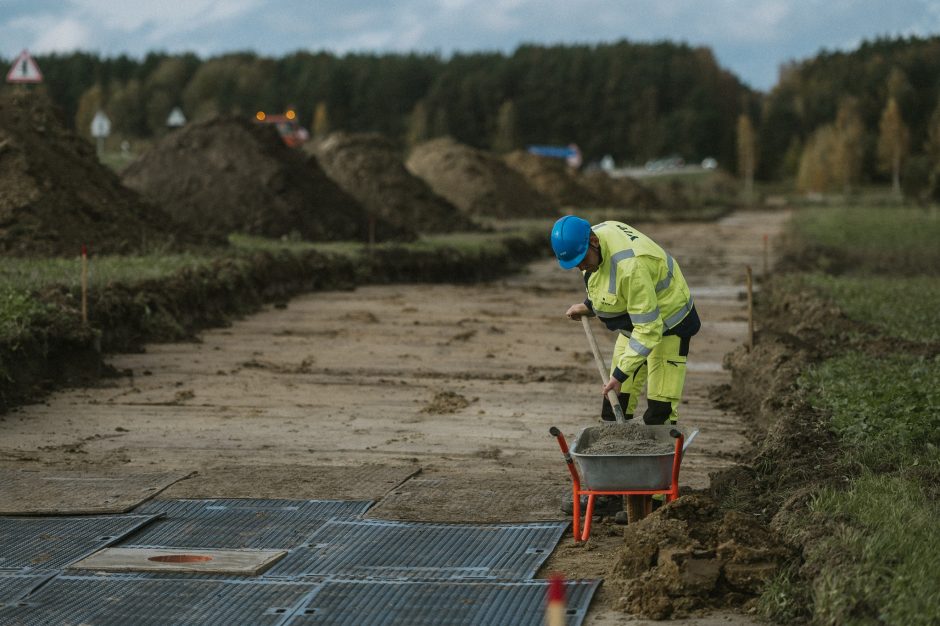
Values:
[(605, 376)]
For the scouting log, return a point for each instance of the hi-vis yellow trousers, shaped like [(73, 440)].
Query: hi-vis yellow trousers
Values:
[(663, 372)]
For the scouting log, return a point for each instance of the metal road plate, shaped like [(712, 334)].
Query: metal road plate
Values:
[(370, 603), (14, 587), (413, 550), (54, 542), (233, 523), (144, 601)]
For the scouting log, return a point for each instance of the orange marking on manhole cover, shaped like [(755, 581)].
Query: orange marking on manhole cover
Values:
[(181, 558)]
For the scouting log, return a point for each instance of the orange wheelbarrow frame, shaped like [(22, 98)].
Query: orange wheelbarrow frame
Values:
[(583, 535)]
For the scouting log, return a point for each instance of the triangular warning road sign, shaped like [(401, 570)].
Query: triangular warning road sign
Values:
[(24, 70)]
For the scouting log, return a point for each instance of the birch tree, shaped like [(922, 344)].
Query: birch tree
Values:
[(893, 143)]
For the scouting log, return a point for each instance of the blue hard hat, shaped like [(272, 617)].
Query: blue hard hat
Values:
[(570, 238)]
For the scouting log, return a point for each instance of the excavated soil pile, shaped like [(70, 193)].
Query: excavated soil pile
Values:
[(230, 175), (56, 196), (553, 179), (690, 556), (370, 168), (625, 439), (477, 182), (446, 402), (621, 193)]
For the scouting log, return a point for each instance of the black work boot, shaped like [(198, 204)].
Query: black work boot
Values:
[(607, 413), (657, 412)]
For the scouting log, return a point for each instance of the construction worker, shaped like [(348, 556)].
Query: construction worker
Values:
[(636, 288)]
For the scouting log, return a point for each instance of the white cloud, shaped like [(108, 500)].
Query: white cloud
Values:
[(758, 21), (64, 36), (165, 17), (50, 33)]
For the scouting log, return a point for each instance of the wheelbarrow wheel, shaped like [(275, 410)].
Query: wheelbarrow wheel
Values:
[(638, 507)]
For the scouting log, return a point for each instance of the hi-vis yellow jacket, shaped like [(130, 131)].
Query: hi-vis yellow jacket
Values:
[(639, 283)]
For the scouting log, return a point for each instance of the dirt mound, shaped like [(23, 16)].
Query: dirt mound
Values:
[(795, 447), (56, 196), (690, 556), (553, 179), (231, 175), (477, 182), (370, 168), (621, 192), (446, 402)]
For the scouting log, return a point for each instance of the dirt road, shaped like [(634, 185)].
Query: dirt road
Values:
[(348, 394)]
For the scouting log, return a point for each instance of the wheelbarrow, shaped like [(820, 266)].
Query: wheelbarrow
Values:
[(637, 477)]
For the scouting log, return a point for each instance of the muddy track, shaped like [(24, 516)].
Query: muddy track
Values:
[(461, 382)]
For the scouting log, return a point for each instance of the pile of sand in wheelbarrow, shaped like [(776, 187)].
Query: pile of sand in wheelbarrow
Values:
[(231, 175), (477, 182), (554, 179), (626, 439), (56, 196), (370, 168)]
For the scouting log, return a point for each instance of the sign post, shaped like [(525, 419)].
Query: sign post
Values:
[(100, 128), (24, 70)]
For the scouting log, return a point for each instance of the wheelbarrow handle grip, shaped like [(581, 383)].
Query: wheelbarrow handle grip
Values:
[(674, 433), (560, 438)]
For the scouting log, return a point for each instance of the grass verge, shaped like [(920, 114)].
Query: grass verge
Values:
[(852, 396), (866, 240), (895, 306)]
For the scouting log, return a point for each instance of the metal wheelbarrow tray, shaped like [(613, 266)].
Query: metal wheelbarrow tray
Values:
[(627, 472)]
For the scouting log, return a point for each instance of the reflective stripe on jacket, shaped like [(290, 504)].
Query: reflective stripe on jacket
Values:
[(638, 278)]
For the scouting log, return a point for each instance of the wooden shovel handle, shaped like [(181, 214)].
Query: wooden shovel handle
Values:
[(605, 376)]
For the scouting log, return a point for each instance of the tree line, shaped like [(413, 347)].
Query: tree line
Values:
[(632, 101), (833, 122), (843, 119)]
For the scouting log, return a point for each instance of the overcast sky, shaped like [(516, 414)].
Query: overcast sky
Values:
[(750, 37)]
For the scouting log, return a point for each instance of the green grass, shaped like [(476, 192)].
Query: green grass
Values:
[(893, 239), (28, 275), (902, 307), (887, 410), (879, 566), (18, 313), (462, 242)]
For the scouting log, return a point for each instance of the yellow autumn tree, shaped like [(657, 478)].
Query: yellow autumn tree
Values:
[(932, 148), (893, 143), (321, 121), (506, 137), (817, 171), (849, 144), (90, 102), (417, 125), (747, 154)]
